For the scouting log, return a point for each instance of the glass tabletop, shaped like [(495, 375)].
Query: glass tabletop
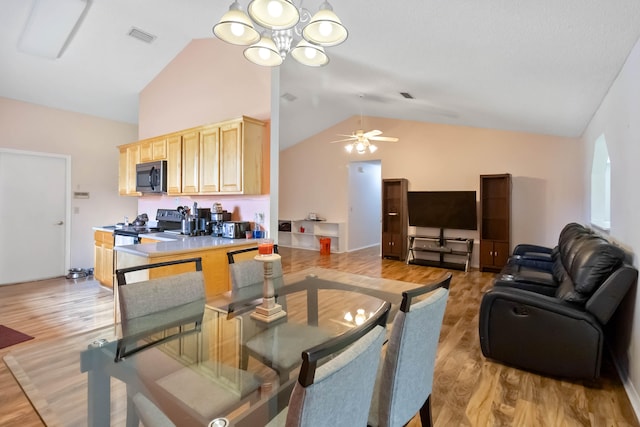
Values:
[(197, 363)]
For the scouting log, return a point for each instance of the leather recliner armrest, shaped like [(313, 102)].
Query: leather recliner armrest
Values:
[(539, 333), (540, 282), (525, 248)]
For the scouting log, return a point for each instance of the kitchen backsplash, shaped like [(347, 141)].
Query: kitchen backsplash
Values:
[(242, 208)]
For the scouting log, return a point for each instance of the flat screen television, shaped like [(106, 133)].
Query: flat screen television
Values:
[(443, 209)]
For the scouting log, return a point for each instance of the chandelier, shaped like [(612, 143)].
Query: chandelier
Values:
[(283, 22)]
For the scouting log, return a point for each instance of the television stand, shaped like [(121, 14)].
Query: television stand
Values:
[(451, 252)]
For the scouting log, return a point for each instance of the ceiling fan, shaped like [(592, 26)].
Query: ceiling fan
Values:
[(360, 140)]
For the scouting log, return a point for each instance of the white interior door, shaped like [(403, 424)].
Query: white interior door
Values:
[(34, 216)]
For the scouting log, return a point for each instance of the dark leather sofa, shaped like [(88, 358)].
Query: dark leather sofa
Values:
[(548, 307)]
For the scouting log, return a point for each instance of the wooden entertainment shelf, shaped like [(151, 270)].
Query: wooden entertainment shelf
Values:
[(458, 248)]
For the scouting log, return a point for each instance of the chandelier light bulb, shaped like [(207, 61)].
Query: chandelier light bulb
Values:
[(349, 148), (237, 29), (275, 9), (325, 29), (360, 147), (310, 52), (372, 148), (264, 53)]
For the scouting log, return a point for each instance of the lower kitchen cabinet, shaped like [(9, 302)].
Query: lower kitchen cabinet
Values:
[(103, 258)]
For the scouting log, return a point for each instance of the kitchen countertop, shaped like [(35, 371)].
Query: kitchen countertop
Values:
[(171, 243), (181, 244)]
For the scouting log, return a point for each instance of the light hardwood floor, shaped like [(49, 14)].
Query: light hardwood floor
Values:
[(468, 389)]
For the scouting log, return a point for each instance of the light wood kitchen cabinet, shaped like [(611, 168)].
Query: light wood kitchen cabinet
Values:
[(241, 156), (153, 150), (174, 164), (210, 160), (103, 258), (222, 158), (129, 158), (191, 162), (201, 161)]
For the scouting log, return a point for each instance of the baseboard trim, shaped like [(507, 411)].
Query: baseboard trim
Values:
[(629, 388)]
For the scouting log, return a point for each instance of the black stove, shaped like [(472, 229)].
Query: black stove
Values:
[(168, 220)]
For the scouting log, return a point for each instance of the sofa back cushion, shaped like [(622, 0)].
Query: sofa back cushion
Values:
[(594, 261)]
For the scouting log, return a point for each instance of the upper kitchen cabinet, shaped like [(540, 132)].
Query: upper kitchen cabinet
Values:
[(153, 149), (221, 158), (129, 158), (201, 161), (174, 164), (241, 156), (191, 162)]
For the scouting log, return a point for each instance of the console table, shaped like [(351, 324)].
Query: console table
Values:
[(452, 252)]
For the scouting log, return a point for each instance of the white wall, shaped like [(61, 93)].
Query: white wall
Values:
[(548, 187), (91, 142), (618, 118)]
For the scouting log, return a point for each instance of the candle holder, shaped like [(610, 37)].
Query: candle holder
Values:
[(269, 310)]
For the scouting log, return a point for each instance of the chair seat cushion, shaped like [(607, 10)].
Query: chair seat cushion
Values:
[(281, 345)]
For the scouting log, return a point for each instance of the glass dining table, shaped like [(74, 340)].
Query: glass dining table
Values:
[(199, 366)]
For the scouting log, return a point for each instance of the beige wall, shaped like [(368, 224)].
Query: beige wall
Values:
[(618, 118), (208, 82), (199, 87), (91, 142), (548, 189)]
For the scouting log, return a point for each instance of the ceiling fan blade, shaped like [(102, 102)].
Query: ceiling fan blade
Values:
[(342, 140), (384, 138), (371, 133), (353, 135)]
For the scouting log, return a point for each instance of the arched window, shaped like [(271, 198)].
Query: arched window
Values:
[(601, 185)]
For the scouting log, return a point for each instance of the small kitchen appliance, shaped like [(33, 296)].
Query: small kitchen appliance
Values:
[(235, 229), (217, 219), (151, 177)]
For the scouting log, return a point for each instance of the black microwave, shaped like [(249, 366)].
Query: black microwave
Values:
[(151, 177)]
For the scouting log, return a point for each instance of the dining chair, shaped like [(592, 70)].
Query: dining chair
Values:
[(338, 392), (149, 414), (157, 304), (276, 346), (155, 311), (247, 275), (405, 378)]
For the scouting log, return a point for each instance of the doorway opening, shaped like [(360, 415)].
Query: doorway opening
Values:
[(365, 204)]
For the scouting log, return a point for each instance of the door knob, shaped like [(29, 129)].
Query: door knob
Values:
[(60, 223)]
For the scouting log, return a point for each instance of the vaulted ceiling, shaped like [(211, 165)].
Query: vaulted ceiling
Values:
[(539, 66)]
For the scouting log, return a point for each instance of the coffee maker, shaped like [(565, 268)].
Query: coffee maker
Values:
[(217, 218)]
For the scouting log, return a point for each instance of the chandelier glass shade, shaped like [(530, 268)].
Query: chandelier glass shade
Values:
[(284, 23)]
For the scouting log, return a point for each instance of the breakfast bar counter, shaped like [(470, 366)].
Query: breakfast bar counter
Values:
[(212, 250)]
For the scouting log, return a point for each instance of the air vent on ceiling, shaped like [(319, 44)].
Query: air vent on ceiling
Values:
[(141, 35), (289, 97), (406, 95)]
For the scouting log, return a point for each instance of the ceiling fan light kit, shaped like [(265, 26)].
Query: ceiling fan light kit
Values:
[(286, 22)]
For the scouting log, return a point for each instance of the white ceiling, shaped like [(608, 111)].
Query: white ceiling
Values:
[(538, 66)]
